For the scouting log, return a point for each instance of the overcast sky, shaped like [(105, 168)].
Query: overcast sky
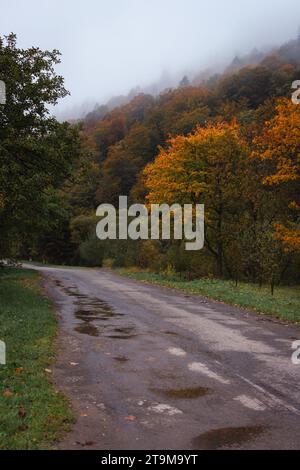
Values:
[(111, 46)]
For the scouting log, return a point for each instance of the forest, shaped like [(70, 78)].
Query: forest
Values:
[(230, 142)]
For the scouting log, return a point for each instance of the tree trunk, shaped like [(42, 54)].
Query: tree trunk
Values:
[(272, 286)]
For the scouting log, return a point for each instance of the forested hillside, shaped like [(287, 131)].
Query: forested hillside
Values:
[(231, 143)]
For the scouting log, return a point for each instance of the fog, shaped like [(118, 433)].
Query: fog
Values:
[(111, 46)]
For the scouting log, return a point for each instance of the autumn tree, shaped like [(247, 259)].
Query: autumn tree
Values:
[(204, 167), (278, 147)]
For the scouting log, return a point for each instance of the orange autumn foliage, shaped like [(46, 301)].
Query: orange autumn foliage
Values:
[(204, 167), (195, 167), (279, 146)]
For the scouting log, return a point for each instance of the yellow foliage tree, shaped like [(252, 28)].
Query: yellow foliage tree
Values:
[(204, 167), (279, 147)]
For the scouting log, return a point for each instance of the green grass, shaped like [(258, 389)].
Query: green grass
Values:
[(285, 304), (32, 413)]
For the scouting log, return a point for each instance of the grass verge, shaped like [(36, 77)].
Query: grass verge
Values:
[(285, 304), (32, 413)]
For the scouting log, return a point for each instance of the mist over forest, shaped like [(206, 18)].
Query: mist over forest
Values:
[(111, 48)]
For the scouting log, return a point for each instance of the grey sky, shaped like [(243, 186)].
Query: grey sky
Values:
[(111, 46)]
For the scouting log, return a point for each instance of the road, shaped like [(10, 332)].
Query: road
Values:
[(152, 368)]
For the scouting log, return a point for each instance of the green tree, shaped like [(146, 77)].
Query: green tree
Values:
[(36, 151)]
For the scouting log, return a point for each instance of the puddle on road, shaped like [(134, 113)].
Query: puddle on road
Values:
[(226, 437), (121, 359), (86, 315), (120, 336), (91, 312), (126, 330), (183, 393), (97, 317), (87, 329)]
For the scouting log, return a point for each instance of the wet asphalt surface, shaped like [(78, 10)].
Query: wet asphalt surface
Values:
[(151, 368)]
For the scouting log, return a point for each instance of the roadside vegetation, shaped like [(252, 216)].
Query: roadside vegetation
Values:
[(32, 413), (284, 304)]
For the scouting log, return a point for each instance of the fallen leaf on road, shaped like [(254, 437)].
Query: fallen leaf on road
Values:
[(130, 418), (49, 371), (83, 414), (86, 443), (74, 364)]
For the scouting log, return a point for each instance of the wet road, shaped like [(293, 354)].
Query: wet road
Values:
[(151, 368)]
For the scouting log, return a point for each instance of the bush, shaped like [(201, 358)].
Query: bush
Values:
[(92, 252)]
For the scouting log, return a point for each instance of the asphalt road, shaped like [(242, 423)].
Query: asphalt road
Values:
[(151, 368)]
